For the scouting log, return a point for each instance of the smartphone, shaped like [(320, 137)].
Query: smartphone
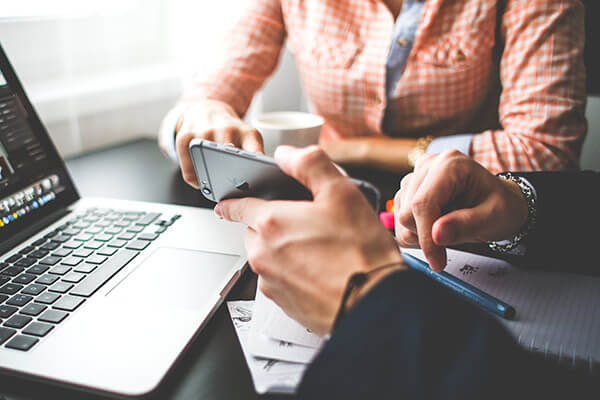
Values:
[(226, 172)]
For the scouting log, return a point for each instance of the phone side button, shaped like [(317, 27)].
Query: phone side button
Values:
[(231, 149), (248, 154)]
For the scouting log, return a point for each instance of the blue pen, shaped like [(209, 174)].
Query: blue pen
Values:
[(470, 292)]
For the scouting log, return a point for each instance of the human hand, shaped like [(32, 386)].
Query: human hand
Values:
[(216, 121), (483, 207), (305, 251)]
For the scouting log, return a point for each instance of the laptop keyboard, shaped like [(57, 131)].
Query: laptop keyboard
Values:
[(46, 281)]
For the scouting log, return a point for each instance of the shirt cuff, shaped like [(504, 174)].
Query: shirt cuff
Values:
[(461, 143), (166, 134)]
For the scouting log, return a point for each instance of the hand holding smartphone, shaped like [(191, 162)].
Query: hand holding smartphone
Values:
[(226, 172)]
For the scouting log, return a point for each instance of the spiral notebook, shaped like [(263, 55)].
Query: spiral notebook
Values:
[(558, 314)]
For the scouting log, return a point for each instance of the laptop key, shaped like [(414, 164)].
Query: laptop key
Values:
[(39, 253), (68, 303), (85, 268), (136, 228), (138, 245), (94, 245), (19, 300), (72, 244), (34, 289), (62, 252), (53, 316), (38, 329), (147, 219), (17, 321), (6, 334), (94, 230), (126, 236), (83, 237), (113, 230), (10, 288), (13, 271), (96, 259), (50, 260), (61, 238), (103, 223), (147, 236), (82, 253), (24, 279), (107, 251), (71, 261), (103, 237), (71, 231), (25, 262), (47, 279), (27, 250), (47, 298), (60, 270), (61, 287), (117, 243), (13, 258), (39, 242), (3, 298), (73, 277), (7, 311), (33, 309), (106, 271), (50, 246), (22, 342), (38, 269), (4, 279)]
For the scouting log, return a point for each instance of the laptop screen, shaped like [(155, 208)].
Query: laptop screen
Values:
[(33, 179)]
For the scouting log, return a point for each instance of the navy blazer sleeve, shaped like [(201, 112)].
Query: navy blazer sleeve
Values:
[(410, 338), (567, 232)]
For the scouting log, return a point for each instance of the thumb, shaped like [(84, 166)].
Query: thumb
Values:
[(310, 166), (468, 225)]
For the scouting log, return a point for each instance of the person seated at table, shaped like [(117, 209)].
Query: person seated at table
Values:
[(501, 81), (399, 335)]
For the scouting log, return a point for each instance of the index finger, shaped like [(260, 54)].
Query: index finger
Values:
[(245, 210)]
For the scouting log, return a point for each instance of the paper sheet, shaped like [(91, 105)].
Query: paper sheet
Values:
[(260, 345), (271, 376), (280, 326), (557, 313)]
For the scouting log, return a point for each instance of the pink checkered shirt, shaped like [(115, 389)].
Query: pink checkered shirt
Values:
[(511, 72)]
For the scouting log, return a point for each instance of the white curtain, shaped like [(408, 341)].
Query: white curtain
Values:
[(100, 72)]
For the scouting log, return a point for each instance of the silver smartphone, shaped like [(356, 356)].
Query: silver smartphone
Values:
[(226, 172)]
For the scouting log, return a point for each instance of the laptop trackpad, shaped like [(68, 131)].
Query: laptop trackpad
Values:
[(176, 278)]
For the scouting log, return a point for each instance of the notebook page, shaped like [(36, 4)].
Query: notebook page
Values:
[(557, 313)]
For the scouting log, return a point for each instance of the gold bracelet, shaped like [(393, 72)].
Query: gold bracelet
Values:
[(419, 150)]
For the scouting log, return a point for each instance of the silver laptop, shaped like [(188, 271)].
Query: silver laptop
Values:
[(98, 293)]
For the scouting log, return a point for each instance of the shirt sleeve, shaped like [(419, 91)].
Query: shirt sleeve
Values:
[(543, 100), (252, 53), (461, 143), (166, 133)]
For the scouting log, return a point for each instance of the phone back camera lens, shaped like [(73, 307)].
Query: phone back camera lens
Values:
[(206, 191)]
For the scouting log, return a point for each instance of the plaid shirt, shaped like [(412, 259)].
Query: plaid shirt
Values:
[(509, 71)]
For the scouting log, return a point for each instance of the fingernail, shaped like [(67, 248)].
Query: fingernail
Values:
[(218, 212)]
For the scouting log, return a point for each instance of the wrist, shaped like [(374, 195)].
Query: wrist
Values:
[(210, 111), (371, 281), (519, 208)]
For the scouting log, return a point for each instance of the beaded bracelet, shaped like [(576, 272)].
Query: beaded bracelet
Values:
[(527, 190)]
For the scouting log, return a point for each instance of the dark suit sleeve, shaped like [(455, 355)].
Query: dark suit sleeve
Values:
[(566, 234), (410, 338)]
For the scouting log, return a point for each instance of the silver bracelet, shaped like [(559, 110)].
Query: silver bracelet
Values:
[(526, 189)]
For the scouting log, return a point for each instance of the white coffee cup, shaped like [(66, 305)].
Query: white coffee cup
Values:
[(288, 127)]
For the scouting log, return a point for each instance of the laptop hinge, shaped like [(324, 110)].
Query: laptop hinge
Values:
[(43, 223)]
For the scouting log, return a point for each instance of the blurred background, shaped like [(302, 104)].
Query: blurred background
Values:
[(104, 72)]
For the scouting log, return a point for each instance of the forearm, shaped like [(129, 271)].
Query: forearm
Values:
[(410, 338), (385, 153)]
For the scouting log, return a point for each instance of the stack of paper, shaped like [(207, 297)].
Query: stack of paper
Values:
[(277, 348)]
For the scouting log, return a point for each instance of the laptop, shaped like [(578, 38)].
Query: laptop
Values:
[(97, 293)]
